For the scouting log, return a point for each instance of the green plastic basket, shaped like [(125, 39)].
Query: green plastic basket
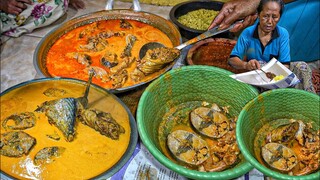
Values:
[(273, 105), (190, 83)]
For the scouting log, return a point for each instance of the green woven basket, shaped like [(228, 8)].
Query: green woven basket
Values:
[(273, 105), (190, 83)]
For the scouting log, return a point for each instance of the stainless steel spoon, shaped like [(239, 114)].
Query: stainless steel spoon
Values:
[(84, 99), (209, 33)]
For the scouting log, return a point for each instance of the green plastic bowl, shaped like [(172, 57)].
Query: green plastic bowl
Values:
[(269, 106), (190, 83)]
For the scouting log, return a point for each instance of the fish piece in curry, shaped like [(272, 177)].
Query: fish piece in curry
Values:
[(284, 133), (48, 155), (279, 156), (16, 143), (54, 92), (292, 147), (130, 40), (125, 24), (109, 60), (82, 58), (188, 147), (20, 121), (156, 59), (309, 153), (100, 73), (224, 151), (102, 122), (210, 121)]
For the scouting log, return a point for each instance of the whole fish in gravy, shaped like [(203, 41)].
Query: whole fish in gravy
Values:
[(62, 114)]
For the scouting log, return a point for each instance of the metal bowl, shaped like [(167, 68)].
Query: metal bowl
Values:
[(39, 58), (185, 7), (29, 94)]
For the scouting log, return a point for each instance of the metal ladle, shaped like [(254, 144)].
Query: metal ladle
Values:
[(84, 99), (209, 33)]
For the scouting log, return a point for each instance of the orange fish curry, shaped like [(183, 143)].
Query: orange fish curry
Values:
[(110, 47)]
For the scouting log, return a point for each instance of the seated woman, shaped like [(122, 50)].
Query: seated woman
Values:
[(23, 16), (265, 40)]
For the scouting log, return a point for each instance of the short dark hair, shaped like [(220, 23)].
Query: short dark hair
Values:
[(263, 2)]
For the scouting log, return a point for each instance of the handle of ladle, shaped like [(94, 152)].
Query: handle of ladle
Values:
[(209, 33), (109, 5), (135, 4), (91, 73)]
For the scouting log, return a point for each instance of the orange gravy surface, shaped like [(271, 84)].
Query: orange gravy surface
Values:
[(88, 155), (58, 64)]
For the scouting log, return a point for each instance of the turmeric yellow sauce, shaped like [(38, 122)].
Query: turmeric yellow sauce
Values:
[(88, 155), (60, 65)]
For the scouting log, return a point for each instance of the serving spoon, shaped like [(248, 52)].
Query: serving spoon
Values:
[(84, 99), (211, 32)]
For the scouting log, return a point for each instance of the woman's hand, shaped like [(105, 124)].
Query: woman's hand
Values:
[(234, 10), (14, 6), (237, 63), (252, 65)]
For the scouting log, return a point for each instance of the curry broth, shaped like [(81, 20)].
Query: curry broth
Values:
[(59, 65), (177, 118), (260, 141), (87, 156)]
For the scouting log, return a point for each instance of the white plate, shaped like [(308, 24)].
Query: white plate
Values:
[(258, 78)]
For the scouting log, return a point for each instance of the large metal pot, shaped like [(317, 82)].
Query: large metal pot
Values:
[(156, 21), (22, 95)]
